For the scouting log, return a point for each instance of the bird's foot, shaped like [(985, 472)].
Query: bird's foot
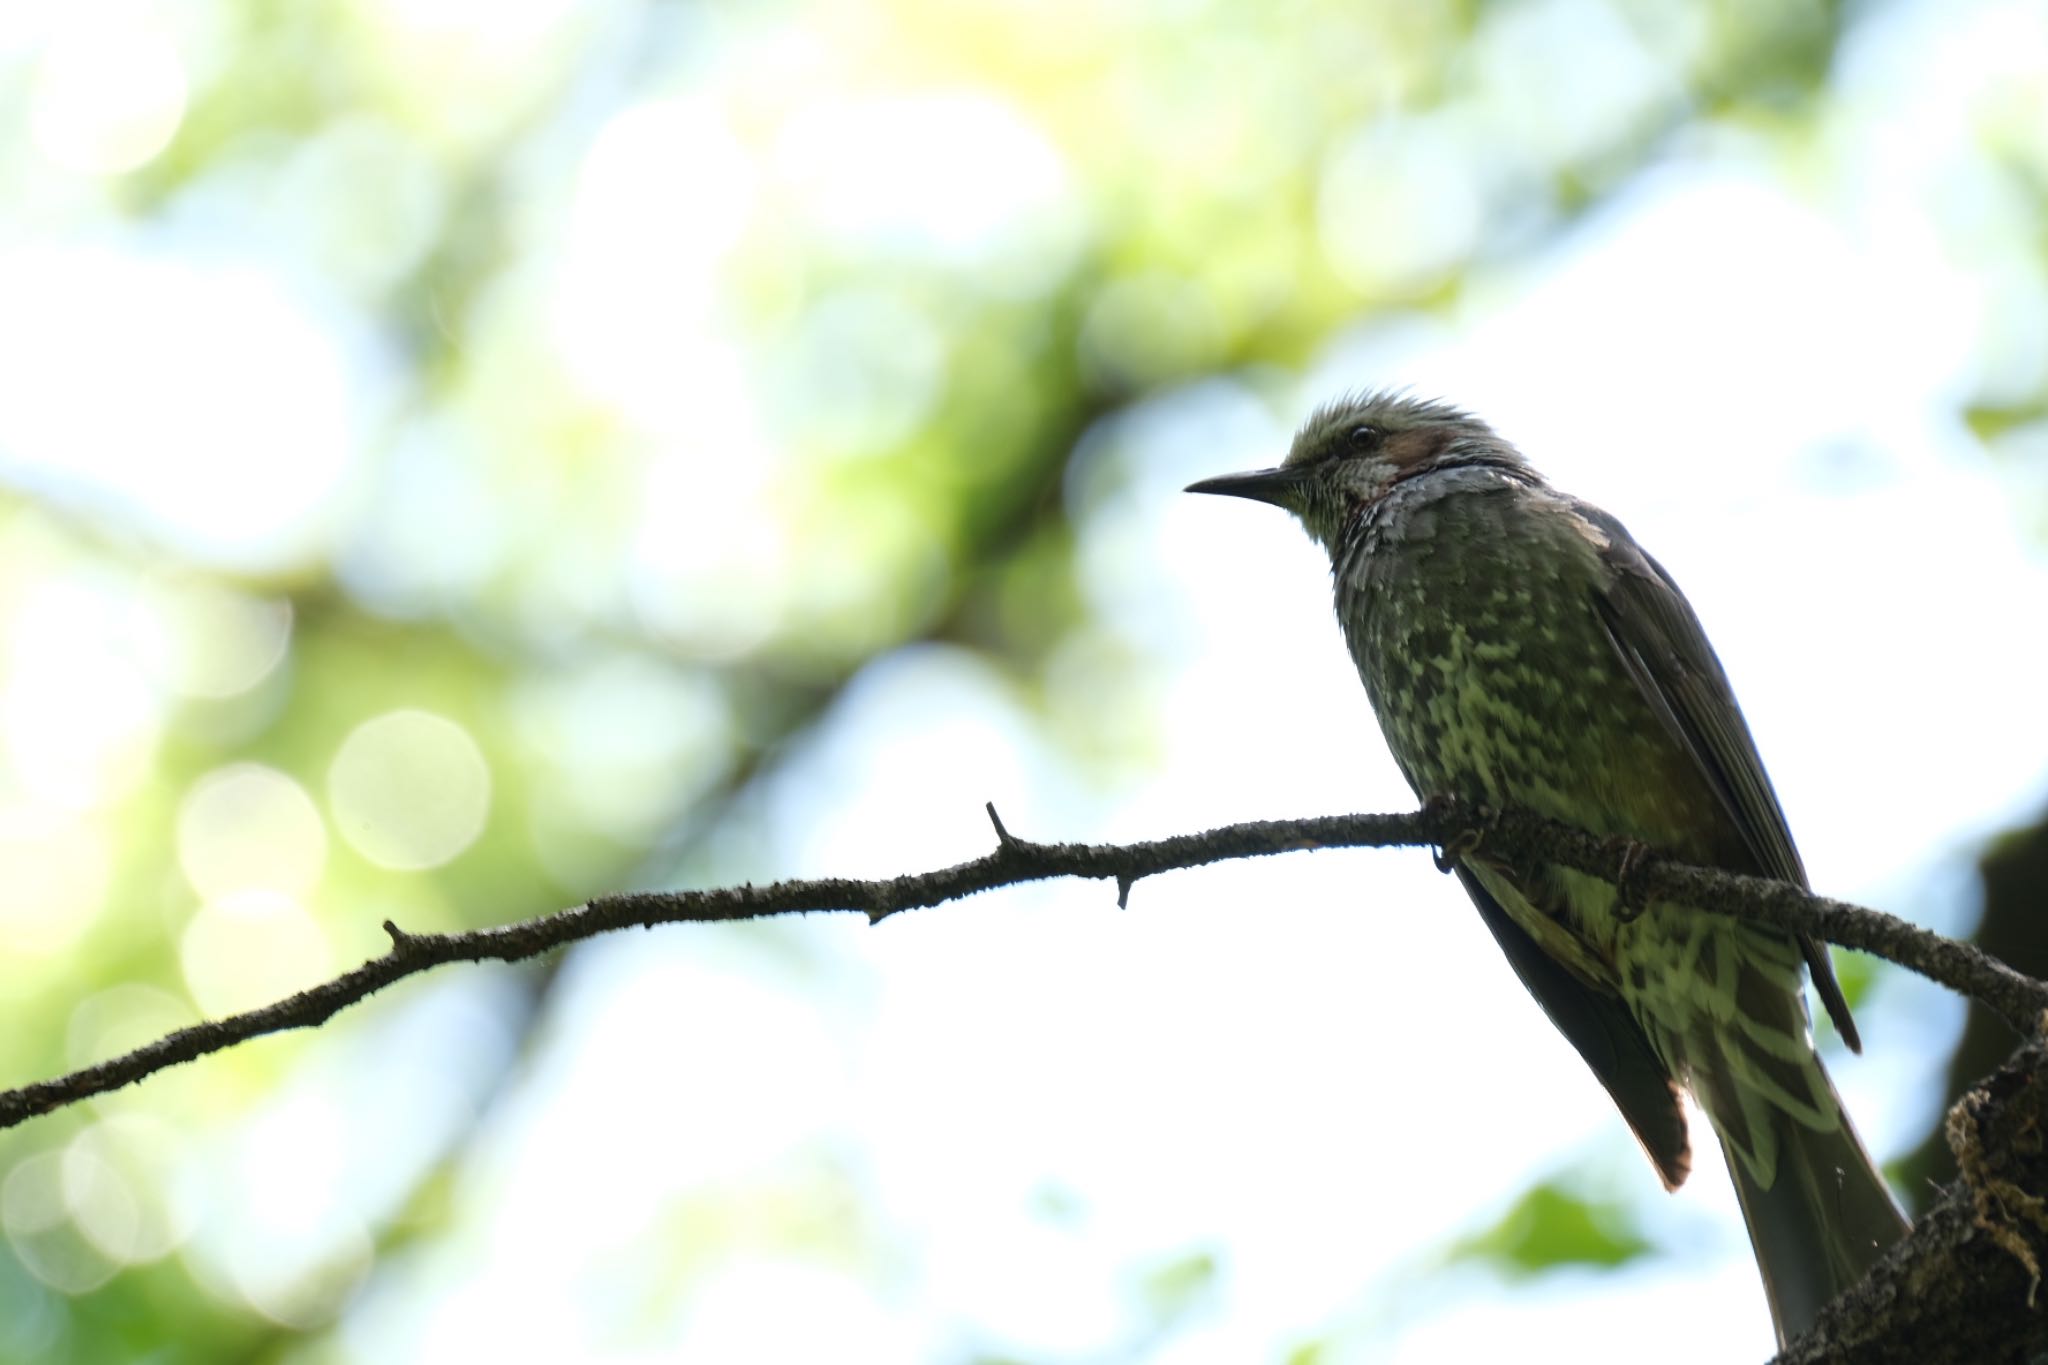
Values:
[(1630, 855), (1466, 841)]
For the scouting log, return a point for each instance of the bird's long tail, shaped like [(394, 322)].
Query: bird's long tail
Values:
[(1824, 1220), (1818, 1212)]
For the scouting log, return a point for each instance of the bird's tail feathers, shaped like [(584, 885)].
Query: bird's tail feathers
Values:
[(1819, 1214)]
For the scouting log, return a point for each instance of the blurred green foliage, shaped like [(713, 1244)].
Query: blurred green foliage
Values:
[(1552, 1226), (689, 358)]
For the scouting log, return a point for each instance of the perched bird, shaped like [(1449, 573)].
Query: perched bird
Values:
[(1521, 649)]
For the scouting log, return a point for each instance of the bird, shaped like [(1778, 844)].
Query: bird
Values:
[(1520, 649)]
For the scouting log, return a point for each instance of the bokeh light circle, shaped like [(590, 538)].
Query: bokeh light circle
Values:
[(109, 91), (409, 790), (247, 827)]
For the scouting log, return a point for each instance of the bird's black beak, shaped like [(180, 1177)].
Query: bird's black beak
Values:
[(1276, 486)]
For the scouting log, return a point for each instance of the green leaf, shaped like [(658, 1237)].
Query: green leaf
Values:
[(1989, 421), (1179, 1286), (1551, 1226)]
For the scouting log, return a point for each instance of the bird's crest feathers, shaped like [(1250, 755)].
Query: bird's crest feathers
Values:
[(1393, 425)]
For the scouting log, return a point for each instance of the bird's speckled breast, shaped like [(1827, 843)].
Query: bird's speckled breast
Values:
[(1467, 597)]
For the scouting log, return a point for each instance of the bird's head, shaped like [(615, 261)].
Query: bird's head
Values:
[(1351, 452)]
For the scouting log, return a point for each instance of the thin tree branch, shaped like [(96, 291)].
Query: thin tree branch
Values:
[(1469, 830)]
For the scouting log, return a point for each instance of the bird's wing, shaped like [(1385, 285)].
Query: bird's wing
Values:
[(1660, 642), (1600, 1026)]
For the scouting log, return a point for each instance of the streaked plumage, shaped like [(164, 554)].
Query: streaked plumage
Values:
[(1519, 648)]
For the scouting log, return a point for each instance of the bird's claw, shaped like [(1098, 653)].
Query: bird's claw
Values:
[(1454, 850), (1630, 855), (1465, 842)]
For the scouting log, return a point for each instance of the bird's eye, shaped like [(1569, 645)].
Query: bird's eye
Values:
[(1365, 436)]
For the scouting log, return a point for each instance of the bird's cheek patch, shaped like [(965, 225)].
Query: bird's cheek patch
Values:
[(1410, 452)]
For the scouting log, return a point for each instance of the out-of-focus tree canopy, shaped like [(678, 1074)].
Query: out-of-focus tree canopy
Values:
[(454, 455)]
